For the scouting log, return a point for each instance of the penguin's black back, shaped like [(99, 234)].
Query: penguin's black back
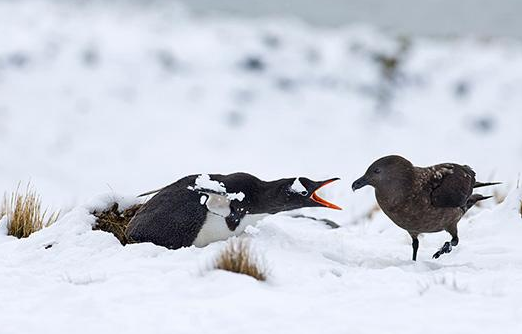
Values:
[(172, 218)]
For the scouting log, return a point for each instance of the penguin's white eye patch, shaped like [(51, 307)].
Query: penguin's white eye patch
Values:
[(297, 187)]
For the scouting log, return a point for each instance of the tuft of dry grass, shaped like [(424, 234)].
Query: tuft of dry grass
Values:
[(520, 209), (237, 257), (23, 210), (499, 196), (368, 215), (114, 221), (372, 212)]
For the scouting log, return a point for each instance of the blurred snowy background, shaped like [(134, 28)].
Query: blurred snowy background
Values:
[(131, 95), (128, 96)]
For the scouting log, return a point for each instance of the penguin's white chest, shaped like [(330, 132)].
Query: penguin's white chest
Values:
[(215, 228)]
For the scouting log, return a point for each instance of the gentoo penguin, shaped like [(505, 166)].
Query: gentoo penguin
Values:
[(200, 209), (423, 199)]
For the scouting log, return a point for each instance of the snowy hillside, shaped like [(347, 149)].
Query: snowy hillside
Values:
[(126, 99)]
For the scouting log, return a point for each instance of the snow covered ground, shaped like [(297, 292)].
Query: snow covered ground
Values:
[(124, 99), (355, 279)]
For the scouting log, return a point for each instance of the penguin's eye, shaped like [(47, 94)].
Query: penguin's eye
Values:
[(377, 170), (304, 193)]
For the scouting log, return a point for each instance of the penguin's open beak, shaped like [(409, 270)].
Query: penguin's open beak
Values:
[(316, 198)]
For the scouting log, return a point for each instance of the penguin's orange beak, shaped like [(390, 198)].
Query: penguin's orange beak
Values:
[(316, 198)]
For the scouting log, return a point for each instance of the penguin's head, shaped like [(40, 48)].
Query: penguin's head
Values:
[(296, 193)]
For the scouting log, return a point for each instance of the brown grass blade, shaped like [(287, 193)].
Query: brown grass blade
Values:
[(23, 210), (238, 257)]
